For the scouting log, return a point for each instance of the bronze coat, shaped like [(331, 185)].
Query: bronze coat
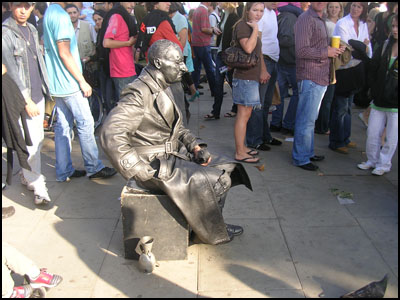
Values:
[(147, 115)]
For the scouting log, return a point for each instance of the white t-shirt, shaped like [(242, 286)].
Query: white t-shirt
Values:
[(345, 29), (214, 20), (330, 26), (268, 25)]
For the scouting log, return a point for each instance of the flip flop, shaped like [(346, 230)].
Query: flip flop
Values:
[(252, 152), (245, 160), (211, 117), (230, 114)]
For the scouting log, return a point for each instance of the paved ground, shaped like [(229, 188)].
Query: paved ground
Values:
[(299, 241)]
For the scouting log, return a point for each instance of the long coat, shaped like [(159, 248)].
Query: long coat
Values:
[(147, 115)]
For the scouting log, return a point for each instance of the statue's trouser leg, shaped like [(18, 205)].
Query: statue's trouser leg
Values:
[(221, 189)]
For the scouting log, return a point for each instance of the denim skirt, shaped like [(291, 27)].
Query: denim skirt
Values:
[(245, 92)]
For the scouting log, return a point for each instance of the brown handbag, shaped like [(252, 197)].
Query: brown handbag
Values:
[(276, 97), (236, 57)]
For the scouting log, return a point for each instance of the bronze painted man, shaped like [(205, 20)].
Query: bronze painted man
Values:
[(145, 141)]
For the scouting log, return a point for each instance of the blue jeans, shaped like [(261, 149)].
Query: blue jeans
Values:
[(202, 55), (286, 76), (310, 97), (324, 117), (214, 52), (121, 82), (340, 122), (70, 108), (257, 127)]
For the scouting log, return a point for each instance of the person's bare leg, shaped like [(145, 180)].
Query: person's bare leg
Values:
[(243, 116)]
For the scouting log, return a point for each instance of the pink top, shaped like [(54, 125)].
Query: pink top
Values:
[(122, 63)]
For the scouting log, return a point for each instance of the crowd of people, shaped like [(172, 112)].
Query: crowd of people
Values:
[(46, 51)]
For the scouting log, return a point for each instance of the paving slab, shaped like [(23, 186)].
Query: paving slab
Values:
[(258, 260), (380, 231), (80, 201), (253, 294), (373, 196), (243, 203), (336, 260), (307, 201), (27, 215)]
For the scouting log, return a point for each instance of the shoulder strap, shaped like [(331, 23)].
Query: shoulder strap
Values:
[(384, 47), (234, 40), (213, 14)]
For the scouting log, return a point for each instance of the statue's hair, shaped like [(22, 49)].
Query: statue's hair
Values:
[(159, 50)]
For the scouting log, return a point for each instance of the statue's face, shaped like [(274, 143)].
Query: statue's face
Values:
[(172, 65)]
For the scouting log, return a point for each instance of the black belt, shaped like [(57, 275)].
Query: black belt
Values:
[(267, 57)]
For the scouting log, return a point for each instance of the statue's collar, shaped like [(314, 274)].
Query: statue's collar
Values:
[(158, 83)]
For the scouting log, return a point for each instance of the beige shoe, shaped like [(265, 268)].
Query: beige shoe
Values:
[(351, 145), (342, 150)]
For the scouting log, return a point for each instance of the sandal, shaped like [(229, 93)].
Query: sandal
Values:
[(211, 117), (247, 160), (252, 152), (230, 114), (196, 95)]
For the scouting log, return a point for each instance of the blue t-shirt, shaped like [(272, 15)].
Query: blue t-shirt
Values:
[(57, 26), (180, 23)]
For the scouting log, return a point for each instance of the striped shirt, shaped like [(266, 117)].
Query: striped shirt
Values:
[(200, 20), (311, 43)]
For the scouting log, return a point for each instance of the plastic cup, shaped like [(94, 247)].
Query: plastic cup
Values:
[(336, 41)]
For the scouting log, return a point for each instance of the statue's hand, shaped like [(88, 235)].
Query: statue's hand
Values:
[(201, 156), (145, 172)]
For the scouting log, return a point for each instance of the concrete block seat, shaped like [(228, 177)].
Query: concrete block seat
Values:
[(147, 214)]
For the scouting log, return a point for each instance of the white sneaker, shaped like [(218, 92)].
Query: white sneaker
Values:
[(378, 172), (25, 182), (365, 165), (41, 196)]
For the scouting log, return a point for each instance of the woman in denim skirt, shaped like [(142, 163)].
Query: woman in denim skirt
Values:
[(245, 91)]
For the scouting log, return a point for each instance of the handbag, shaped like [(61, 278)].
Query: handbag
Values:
[(236, 57), (276, 97)]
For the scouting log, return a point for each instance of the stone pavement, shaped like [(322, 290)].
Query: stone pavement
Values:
[(298, 240)]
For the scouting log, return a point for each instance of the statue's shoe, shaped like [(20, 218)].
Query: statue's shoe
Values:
[(234, 229)]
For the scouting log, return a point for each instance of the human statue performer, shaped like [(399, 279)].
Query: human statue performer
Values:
[(145, 140)]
